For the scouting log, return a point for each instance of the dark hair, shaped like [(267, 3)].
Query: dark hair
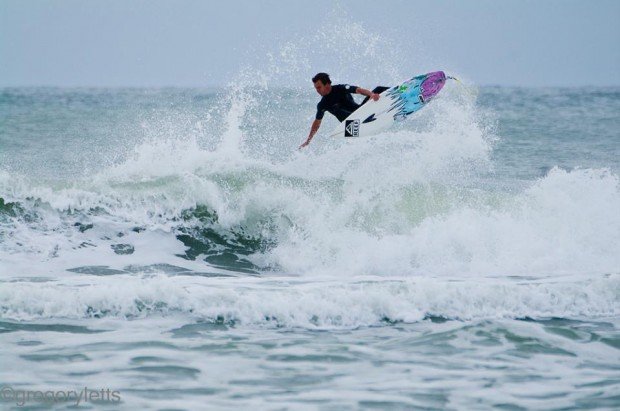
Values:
[(324, 77)]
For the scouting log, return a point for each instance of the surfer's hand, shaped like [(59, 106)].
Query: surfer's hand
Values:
[(374, 96), (305, 143)]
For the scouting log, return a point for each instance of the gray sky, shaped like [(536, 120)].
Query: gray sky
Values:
[(208, 43)]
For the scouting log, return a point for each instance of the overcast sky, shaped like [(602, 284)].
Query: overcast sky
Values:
[(208, 43)]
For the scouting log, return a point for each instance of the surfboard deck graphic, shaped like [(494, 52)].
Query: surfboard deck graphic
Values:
[(394, 104)]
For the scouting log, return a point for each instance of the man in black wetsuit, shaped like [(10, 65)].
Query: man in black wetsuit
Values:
[(337, 100)]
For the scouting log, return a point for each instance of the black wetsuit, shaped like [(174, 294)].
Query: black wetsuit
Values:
[(339, 101)]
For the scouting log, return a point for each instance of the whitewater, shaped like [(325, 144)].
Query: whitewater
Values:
[(174, 245)]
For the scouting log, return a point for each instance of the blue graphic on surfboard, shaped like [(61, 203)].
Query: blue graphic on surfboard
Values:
[(394, 104)]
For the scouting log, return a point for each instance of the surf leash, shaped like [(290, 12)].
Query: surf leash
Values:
[(466, 88)]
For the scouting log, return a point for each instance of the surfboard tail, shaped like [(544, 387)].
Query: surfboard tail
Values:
[(432, 84)]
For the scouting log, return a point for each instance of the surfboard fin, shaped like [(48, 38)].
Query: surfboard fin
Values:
[(370, 118)]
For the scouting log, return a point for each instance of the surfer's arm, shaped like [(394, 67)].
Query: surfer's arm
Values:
[(367, 93), (313, 129)]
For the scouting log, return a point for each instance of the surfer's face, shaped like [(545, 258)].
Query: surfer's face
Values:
[(322, 89)]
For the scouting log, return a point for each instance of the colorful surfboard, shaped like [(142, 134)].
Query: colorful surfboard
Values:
[(394, 104)]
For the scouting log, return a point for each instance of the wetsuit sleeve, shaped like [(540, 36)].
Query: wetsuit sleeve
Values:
[(320, 111), (349, 88)]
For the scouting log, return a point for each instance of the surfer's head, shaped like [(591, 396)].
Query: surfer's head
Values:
[(322, 84)]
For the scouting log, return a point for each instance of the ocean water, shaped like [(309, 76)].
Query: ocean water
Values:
[(173, 247)]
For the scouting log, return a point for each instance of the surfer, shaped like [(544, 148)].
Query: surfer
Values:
[(337, 100)]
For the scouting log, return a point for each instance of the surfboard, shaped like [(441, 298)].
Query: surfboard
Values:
[(394, 104)]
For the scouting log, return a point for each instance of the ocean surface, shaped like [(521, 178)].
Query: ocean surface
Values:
[(173, 249)]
